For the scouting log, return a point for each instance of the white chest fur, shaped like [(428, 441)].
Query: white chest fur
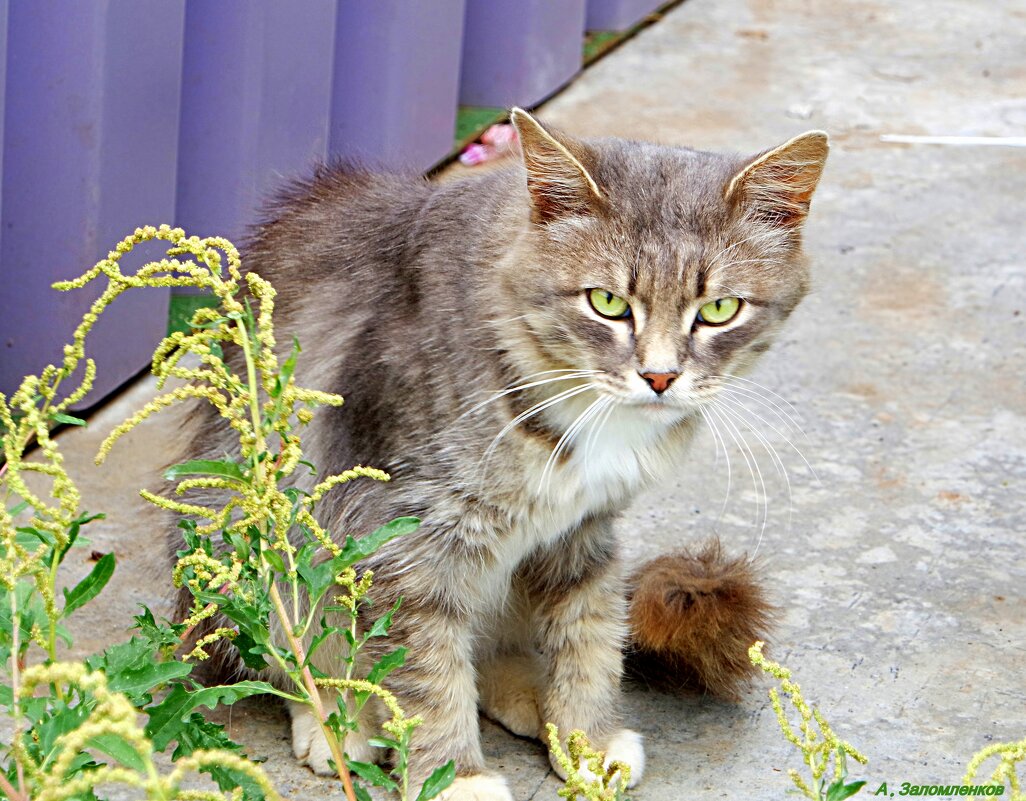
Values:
[(605, 463)]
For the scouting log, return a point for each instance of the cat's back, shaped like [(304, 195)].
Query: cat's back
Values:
[(350, 240), (341, 225), (374, 276)]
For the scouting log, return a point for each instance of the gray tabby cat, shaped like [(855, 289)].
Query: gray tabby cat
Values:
[(523, 351)]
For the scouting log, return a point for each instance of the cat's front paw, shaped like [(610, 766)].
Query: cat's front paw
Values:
[(624, 746), (311, 748), (482, 787)]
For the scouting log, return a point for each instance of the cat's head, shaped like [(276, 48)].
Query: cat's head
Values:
[(663, 269)]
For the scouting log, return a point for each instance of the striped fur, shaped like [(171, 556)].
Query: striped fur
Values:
[(514, 420)]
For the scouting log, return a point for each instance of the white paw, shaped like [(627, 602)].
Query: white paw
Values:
[(311, 748), (624, 746), (482, 787)]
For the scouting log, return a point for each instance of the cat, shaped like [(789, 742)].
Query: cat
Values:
[(523, 352)]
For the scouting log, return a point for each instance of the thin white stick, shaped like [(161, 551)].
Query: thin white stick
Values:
[(982, 141)]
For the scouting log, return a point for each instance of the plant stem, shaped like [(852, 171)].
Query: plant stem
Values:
[(315, 695), (16, 680), (261, 442), (10, 792), (254, 403)]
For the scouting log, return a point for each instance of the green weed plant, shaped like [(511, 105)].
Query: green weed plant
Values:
[(251, 563), (814, 738)]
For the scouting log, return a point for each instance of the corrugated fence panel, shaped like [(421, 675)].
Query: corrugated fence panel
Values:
[(119, 113), (396, 81), (90, 139), (518, 52), (255, 100), (3, 88), (618, 15)]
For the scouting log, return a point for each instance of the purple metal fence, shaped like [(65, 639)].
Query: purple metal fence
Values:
[(518, 52), (256, 90), (90, 137), (618, 15), (118, 113), (396, 84)]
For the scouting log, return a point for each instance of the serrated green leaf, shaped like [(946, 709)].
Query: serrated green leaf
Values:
[(133, 668), (372, 774), (355, 550), (386, 665), (158, 635), (438, 781), (201, 734), (70, 420), (55, 719), (91, 586), (205, 467), (381, 626), (168, 718), (197, 734), (117, 747), (325, 632), (318, 578), (31, 613), (838, 791), (250, 651)]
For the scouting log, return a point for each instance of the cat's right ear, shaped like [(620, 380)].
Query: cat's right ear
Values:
[(558, 182)]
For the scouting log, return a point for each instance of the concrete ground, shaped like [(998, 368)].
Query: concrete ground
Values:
[(900, 563)]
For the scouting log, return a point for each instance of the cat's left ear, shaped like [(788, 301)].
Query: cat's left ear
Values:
[(558, 182), (777, 186)]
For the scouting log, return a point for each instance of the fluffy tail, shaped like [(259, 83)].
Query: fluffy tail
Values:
[(693, 616)]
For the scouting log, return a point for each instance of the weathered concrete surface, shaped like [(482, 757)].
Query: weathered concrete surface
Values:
[(902, 569)]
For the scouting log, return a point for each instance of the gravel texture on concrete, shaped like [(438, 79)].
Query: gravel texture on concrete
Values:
[(894, 400)]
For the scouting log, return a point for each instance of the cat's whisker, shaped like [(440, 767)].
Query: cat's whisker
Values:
[(788, 421), (568, 436), (596, 429), (527, 414), (533, 410), (783, 437), (753, 468), (550, 372), (764, 388), (521, 387), (726, 457), (597, 421), (737, 413), (494, 321)]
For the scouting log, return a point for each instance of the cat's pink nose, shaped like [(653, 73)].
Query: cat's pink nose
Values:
[(659, 382)]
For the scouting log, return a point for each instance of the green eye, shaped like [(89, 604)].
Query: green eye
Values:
[(718, 312), (609, 305)]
